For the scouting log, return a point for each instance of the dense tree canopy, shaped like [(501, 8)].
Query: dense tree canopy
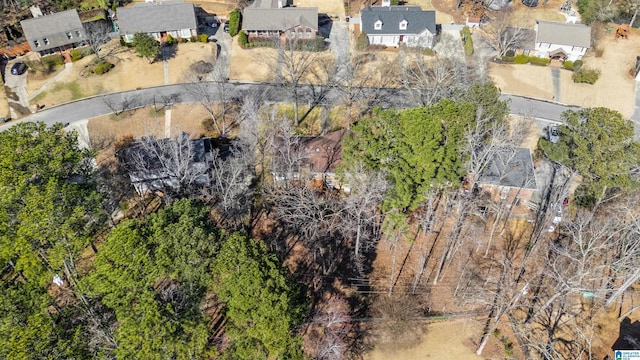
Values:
[(598, 143), (49, 210), (153, 274), (423, 147), (263, 305)]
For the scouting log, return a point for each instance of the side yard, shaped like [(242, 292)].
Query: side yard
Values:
[(614, 89)]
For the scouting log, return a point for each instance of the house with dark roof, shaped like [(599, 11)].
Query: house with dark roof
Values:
[(158, 19), (560, 41), (509, 176), (272, 18), (53, 33), (398, 25), (161, 165)]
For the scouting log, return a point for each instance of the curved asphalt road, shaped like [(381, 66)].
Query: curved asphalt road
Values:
[(116, 102)]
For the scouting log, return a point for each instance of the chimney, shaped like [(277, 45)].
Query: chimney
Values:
[(386, 3), (35, 11), (280, 4)]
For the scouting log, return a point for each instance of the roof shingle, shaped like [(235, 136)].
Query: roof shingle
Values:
[(391, 16), (563, 34), (156, 17)]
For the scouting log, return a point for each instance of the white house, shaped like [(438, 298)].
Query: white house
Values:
[(561, 41), (395, 25)]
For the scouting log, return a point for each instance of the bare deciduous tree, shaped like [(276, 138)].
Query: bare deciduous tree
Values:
[(429, 79), (502, 35), (98, 34), (292, 67), (361, 211)]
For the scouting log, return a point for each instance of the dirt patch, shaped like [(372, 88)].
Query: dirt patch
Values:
[(221, 9), (615, 89), (445, 13), (331, 7), (444, 340)]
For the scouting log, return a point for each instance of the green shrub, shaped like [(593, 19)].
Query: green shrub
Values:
[(234, 22), (429, 52), (184, 40), (521, 59), (465, 33), (510, 53), (508, 59), (50, 62), (539, 61), (203, 38), (194, 39), (76, 54), (243, 39), (568, 65), (102, 67), (171, 40), (586, 76), (577, 65), (362, 42)]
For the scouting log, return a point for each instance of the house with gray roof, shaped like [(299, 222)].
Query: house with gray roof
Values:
[(272, 18), (509, 176), (560, 41), (158, 19), (171, 164), (53, 33), (396, 25)]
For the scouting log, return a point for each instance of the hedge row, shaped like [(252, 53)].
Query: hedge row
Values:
[(234, 22), (525, 59)]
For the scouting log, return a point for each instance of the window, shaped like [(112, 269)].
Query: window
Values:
[(77, 33), (308, 34), (46, 41), (403, 25), (69, 36), (378, 25)]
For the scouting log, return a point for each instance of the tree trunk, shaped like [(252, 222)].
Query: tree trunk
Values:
[(296, 117)]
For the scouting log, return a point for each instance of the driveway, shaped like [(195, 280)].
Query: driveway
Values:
[(17, 93), (339, 43), (224, 55), (223, 42)]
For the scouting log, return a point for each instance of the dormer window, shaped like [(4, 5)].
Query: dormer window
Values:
[(378, 25), (36, 43), (69, 36), (46, 41), (77, 33), (403, 25)]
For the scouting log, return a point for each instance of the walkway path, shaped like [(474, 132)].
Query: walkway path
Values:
[(555, 79), (67, 68)]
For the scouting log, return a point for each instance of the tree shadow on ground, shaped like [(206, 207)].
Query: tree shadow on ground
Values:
[(629, 338)]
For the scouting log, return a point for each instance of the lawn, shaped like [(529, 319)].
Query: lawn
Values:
[(129, 73), (615, 89)]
